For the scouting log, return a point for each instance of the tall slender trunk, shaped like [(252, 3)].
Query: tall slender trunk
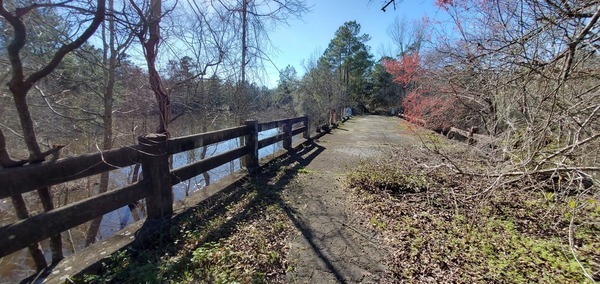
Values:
[(151, 49), (240, 107), (35, 156), (110, 63), (206, 175), (241, 91), (34, 249), (244, 37)]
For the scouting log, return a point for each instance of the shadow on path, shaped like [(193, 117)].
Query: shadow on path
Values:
[(300, 163), (268, 185), (328, 247)]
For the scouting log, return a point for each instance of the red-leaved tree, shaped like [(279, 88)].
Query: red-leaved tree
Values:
[(437, 112), (406, 71), (423, 104)]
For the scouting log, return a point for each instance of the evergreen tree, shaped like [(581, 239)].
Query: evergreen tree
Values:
[(288, 85), (349, 57)]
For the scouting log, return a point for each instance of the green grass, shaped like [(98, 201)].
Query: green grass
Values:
[(305, 171)]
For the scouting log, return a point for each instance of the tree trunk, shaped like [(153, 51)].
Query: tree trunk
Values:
[(242, 87), (17, 200), (206, 175), (5, 160), (204, 150), (35, 156), (19, 85), (135, 177), (151, 48), (110, 60), (34, 249)]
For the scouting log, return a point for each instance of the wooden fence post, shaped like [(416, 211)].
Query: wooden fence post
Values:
[(250, 161), (155, 168), (306, 133), (287, 134)]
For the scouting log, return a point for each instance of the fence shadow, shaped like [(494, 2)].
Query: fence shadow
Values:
[(303, 161), (268, 193)]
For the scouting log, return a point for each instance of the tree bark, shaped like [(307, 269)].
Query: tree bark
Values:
[(35, 156), (151, 50), (19, 85), (110, 62), (241, 94), (34, 249), (5, 160)]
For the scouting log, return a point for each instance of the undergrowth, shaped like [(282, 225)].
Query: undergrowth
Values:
[(443, 227), (240, 238)]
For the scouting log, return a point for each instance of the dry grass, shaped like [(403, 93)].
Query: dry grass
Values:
[(440, 227), (241, 238)]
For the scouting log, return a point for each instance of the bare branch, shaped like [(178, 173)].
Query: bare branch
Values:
[(65, 49)]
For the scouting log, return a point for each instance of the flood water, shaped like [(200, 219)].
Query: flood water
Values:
[(17, 266)]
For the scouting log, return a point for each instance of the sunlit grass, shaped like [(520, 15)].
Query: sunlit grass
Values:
[(438, 229)]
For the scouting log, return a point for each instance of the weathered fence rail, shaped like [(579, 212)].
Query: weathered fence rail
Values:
[(28, 178), (152, 153)]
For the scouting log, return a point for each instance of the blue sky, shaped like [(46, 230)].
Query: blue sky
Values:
[(299, 40)]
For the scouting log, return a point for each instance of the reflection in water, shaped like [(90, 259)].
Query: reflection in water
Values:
[(19, 265), (119, 219)]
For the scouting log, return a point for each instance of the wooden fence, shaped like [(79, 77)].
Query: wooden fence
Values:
[(153, 153)]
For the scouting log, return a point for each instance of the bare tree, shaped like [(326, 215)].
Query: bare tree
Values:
[(255, 20), (148, 33), (527, 70), (113, 48), (408, 38), (531, 77), (204, 38), (319, 91), (20, 84)]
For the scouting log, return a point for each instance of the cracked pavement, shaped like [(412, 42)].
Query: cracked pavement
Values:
[(330, 245)]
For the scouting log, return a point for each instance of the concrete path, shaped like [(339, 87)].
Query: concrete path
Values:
[(331, 247)]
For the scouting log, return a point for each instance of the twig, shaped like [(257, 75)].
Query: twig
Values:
[(585, 272), (544, 171), (366, 236), (386, 5)]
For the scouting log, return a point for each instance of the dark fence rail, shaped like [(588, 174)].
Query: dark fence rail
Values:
[(20, 180), (153, 152)]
